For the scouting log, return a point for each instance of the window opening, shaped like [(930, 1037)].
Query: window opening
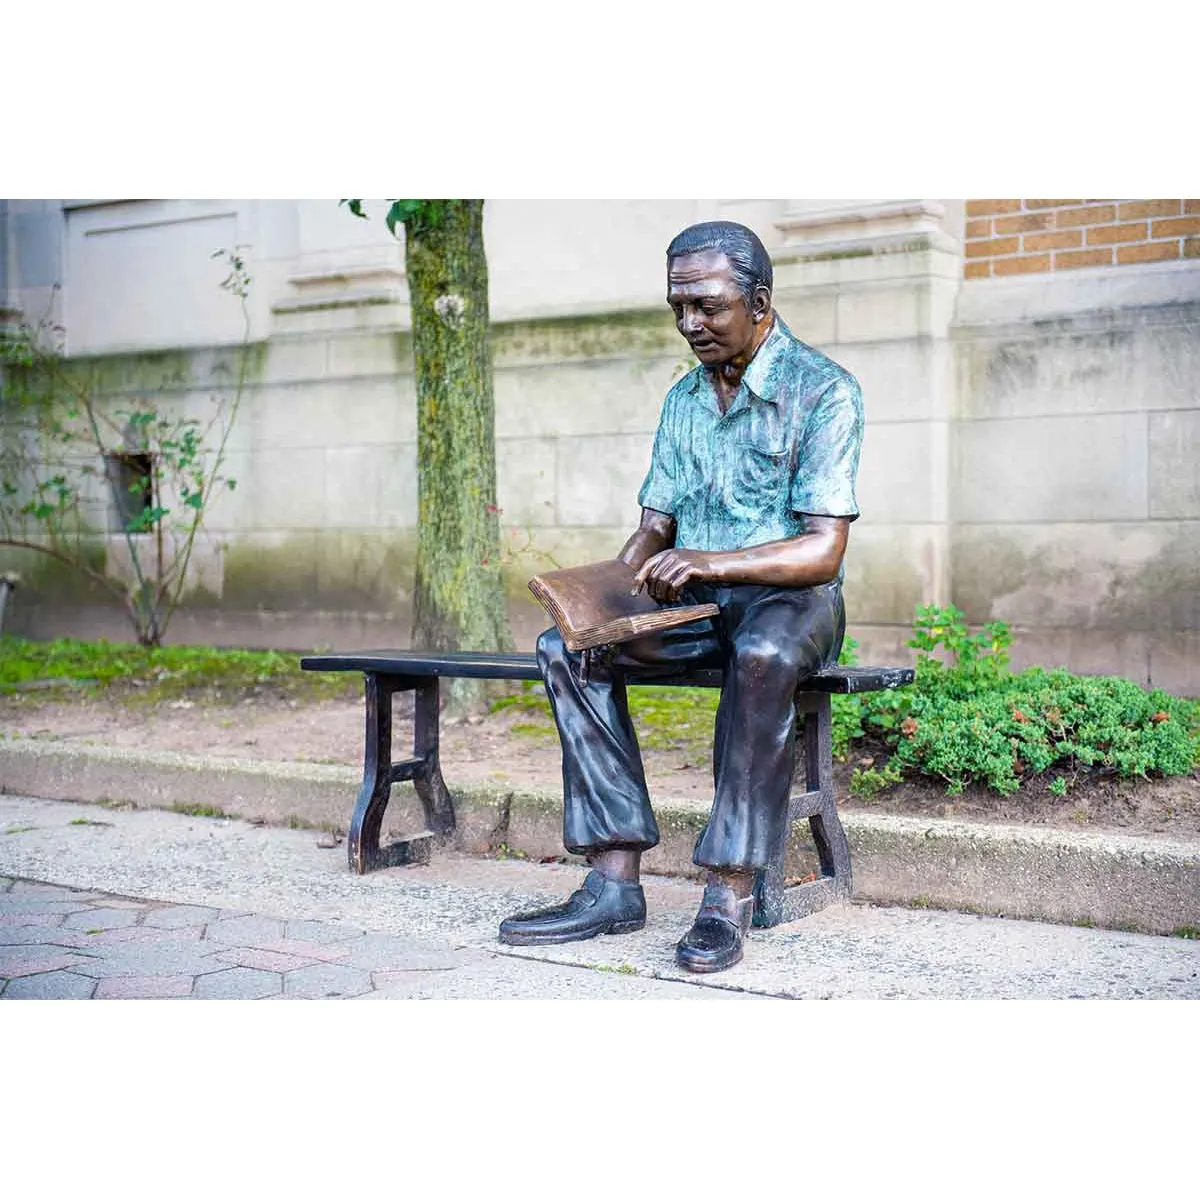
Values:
[(131, 477)]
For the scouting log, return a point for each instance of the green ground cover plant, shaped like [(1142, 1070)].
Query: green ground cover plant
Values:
[(161, 673), (969, 719)]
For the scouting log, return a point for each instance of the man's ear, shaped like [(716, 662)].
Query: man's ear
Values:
[(760, 309)]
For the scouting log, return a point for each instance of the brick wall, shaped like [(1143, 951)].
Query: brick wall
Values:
[(1023, 237)]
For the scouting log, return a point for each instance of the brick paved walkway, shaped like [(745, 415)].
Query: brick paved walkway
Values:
[(58, 943)]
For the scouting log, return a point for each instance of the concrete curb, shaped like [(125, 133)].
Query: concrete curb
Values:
[(1115, 881)]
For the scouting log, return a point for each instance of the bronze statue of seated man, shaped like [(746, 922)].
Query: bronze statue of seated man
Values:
[(747, 504)]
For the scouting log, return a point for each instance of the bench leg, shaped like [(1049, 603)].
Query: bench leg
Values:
[(379, 773), (362, 841), (774, 902), (427, 777)]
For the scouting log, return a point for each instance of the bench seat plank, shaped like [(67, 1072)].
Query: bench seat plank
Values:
[(474, 665)]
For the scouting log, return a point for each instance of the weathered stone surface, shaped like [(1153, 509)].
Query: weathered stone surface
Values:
[(1059, 469), (326, 981), (238, 983), (1174, 455), (101, 918), (53, 985)]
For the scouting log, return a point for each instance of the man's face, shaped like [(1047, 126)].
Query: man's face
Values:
[(710, 310)]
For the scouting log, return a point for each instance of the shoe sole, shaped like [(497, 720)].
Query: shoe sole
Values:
[(706, 968), (557, 939)]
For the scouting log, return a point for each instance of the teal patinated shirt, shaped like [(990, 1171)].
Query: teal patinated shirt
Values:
[(788, 444)]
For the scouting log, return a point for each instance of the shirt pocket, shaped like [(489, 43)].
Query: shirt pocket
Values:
[(758, 481)]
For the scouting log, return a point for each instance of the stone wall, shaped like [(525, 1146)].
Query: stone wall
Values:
[(1029, 445)]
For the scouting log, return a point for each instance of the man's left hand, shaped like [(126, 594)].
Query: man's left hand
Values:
[(666, 574)]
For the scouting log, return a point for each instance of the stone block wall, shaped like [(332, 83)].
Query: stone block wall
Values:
[(1031, 430)]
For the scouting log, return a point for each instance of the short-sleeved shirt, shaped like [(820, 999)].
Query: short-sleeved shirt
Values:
[(787, 445)]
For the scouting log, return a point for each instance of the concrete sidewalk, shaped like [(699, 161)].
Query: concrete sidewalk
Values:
[(1140, 882), (105, 903)]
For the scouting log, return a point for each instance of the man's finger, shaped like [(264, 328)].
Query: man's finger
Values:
[(647, 569)]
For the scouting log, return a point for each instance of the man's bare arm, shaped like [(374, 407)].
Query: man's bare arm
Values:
[(655, 534), (811, 558)]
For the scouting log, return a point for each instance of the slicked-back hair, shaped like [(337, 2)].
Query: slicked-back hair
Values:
[(749, 262)]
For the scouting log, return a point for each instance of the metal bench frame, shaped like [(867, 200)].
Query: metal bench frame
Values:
[(387, 672)]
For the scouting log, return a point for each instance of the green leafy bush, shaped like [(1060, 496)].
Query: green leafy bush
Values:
[(967, 718)]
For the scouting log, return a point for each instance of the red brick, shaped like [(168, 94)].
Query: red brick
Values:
[(977, 270), (1129, 210), (1052, 241), (1191, 206), (980, 228), (1108, 235), (1050, 203), (985, 208), (1083, 258), (1191, 248), (1148, 252), (1180, 227), (1025, 223), (1067, 218), (1029, 265), (993, 247)]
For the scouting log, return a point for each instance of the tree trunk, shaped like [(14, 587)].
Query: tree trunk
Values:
[(459, 601)]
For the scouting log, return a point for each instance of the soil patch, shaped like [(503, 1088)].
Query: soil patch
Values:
[(511, 749)]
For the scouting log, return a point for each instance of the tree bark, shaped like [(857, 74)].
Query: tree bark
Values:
[(459, 601)]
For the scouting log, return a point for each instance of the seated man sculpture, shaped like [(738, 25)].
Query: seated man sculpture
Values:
[(747, 504)]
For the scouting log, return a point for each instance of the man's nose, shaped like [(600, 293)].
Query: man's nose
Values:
[(691, 322)]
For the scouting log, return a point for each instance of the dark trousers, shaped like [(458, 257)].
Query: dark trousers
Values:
[(766, 640)]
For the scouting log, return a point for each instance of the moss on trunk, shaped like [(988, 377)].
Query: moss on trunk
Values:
[(458, 596)]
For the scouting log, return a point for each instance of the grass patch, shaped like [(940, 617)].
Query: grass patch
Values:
[(131, 672), (20, 828), (1191, 932), (89, 821), (199, 810)]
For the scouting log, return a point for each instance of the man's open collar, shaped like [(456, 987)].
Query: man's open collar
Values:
[(764, 373)]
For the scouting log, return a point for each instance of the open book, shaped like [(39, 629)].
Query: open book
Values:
[(594, 605)]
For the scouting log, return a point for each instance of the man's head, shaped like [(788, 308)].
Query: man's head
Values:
[(719, 281)]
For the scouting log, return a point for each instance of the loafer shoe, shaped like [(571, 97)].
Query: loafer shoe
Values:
[(602, 905), (715, 939)]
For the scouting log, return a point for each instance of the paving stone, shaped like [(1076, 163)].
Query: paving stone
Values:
[(245, 931), (101, 918), (47, 891), (298, 949), (318, 931), (326, 981), (16, 961), (237, 983), (36, 935), (30, 918), (179, 916), (144, 987), (149, 958), (51, 985), (13, 904), (116, 937), (263, 960)]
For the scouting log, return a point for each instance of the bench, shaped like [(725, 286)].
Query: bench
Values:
[(387, 672)]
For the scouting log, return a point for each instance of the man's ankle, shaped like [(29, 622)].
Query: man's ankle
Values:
[(624, 866), (740, 882)]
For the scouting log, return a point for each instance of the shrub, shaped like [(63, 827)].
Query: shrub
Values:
[(967, 718)]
